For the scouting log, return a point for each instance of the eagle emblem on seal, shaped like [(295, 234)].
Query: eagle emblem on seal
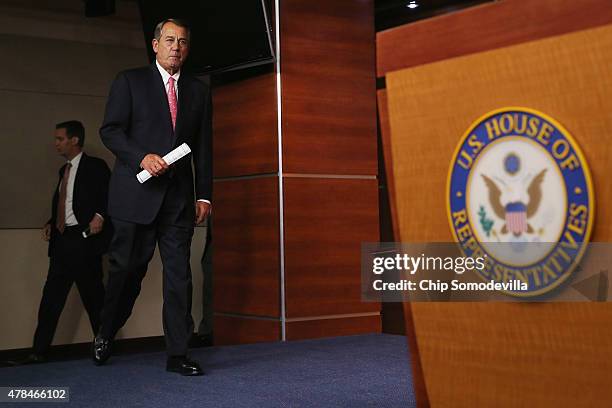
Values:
[(516, 213)]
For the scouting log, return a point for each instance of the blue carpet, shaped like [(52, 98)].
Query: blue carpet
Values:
[(352, 371)]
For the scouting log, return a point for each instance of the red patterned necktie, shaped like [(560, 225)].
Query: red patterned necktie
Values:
[(172, 101), (60, 219)]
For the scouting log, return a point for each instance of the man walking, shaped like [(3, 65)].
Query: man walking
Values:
[(150, 111), (78, 205)]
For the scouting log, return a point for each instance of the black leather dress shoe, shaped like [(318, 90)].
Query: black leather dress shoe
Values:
[(183, 366), (32, 358), (101, 350)]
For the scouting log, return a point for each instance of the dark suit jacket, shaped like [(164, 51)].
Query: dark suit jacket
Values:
[(137, 122), (90, 196)]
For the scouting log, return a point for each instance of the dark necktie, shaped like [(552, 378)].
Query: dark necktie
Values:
[(60, 219)]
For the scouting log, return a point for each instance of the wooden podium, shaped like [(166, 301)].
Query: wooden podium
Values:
[(551, 55)]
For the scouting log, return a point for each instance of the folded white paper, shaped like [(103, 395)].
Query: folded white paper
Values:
[(178, 153)]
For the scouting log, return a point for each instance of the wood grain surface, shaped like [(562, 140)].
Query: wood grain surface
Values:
[(516, 355), (482, 355), (484, 27), (245, 127), (246, 260), (326, 220), (328, 87), (430, 107), (244, 330)]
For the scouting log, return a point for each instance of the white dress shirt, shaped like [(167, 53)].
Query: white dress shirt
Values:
[(165, 78), (69, 214), (70, 217)]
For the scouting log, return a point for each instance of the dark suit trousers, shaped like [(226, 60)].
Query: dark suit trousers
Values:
[(70, 262), (130, 251)]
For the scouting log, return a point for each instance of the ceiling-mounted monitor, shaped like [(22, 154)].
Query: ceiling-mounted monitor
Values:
[(225, 34)]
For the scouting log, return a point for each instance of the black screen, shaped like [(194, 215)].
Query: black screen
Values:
[(225, 34)]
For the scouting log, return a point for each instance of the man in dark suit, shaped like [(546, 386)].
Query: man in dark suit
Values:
[(79, 204), (150, 111)]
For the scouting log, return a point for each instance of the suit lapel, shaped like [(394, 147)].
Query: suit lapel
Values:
[(162, 96), (184, 97), (56, 194)]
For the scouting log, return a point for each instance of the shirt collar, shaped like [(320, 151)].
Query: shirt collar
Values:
[(76, 160), (165, 75)]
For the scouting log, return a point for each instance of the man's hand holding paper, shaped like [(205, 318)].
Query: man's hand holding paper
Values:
[(154, 164)]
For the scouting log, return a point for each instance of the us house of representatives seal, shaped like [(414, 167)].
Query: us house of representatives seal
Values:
[(519, 193)]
